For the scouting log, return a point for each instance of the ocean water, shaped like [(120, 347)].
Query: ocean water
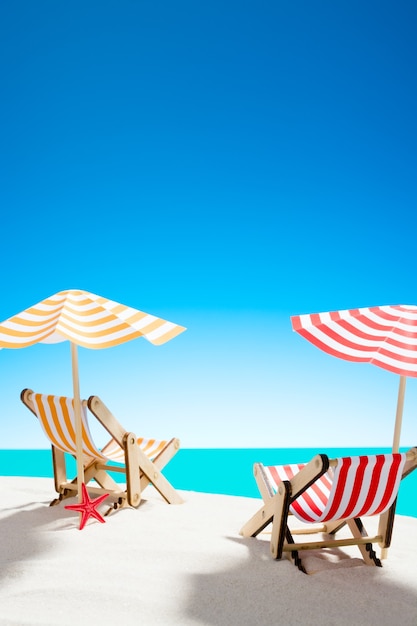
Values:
[(213, 470)]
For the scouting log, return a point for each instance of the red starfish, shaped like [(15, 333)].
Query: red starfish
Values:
[(88, 507)]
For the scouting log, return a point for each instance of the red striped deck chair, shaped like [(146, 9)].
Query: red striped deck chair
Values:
[(140, 460), (326, 495)]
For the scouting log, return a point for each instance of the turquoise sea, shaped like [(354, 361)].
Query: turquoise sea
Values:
[(213, 470)]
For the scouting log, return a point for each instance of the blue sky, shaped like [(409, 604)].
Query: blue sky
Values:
[(223, 165)]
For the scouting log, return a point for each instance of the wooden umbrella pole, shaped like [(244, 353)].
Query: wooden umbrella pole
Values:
[(78, 421), (399, 415)]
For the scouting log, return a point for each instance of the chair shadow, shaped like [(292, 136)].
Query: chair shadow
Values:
[(261, 590), (21, 529), (24, 529)]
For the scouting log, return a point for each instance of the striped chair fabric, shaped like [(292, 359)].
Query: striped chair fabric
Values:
[(57, 418), (151, 447), (357, 486)]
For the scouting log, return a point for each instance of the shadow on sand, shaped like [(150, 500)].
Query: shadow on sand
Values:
[(343, 591)]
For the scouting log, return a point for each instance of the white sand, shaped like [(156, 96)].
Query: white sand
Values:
[(183, 564)]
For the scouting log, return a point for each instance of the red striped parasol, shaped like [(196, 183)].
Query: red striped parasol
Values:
[(385, 336)]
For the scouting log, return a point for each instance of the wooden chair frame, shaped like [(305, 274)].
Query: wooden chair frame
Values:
[(276, 511), (138, 468)]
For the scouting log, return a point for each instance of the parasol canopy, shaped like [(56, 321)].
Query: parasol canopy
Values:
[(85, 319), (385, 336)]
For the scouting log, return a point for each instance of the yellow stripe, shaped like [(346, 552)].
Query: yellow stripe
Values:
[(44, 419), (154, 325), (88, 445), (111, 306), (67, 419), (21, 344), (77, 310), (11, 332), (104, 318), (149, 448), (136, 317), (22, 321), (98, 333)]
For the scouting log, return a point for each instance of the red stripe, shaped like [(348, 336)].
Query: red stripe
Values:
[(392, 478), (298, 509), (358, 481), (373, 486), (344, 341), (379, 343), (326, 348), (392, 339), (306, 499), (391, 327), (275, 476), (335, 316), (315, 319), (347, 325), (385, 319), (397, 357), (340, 487), (406, 345), (402, 371), (273, 469), (296, 322), (398, 368), (394, 317)]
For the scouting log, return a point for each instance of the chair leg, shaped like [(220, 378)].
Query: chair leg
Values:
[(132, 475), (150, 474), (280, 519), (294, 554), (386, 524), (368, 553), (59, 468)]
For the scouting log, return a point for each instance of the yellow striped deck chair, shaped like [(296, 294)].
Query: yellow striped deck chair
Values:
[(326, 495), (140, 460)]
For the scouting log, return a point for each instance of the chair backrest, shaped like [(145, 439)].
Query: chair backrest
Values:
[(57, 417), (357, 486)]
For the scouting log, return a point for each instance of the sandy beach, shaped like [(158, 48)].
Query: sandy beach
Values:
[(183, 564)]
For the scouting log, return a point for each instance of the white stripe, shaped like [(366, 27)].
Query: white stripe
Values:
[(51, 424), (350, 335), (145, 321), (83, 319), (315, 498), (24, 317), (74, 336), (308, 512), (32, 338), (382, 486), (346, 494), (410, 313), (361, 326), (53, 304), (162, 330), (365, 486), (97, 328), (55, 337)]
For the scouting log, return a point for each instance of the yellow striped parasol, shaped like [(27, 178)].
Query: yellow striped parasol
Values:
[(87, 320)]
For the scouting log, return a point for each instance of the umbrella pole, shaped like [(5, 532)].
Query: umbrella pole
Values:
[(399, 415), (78, 422)]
